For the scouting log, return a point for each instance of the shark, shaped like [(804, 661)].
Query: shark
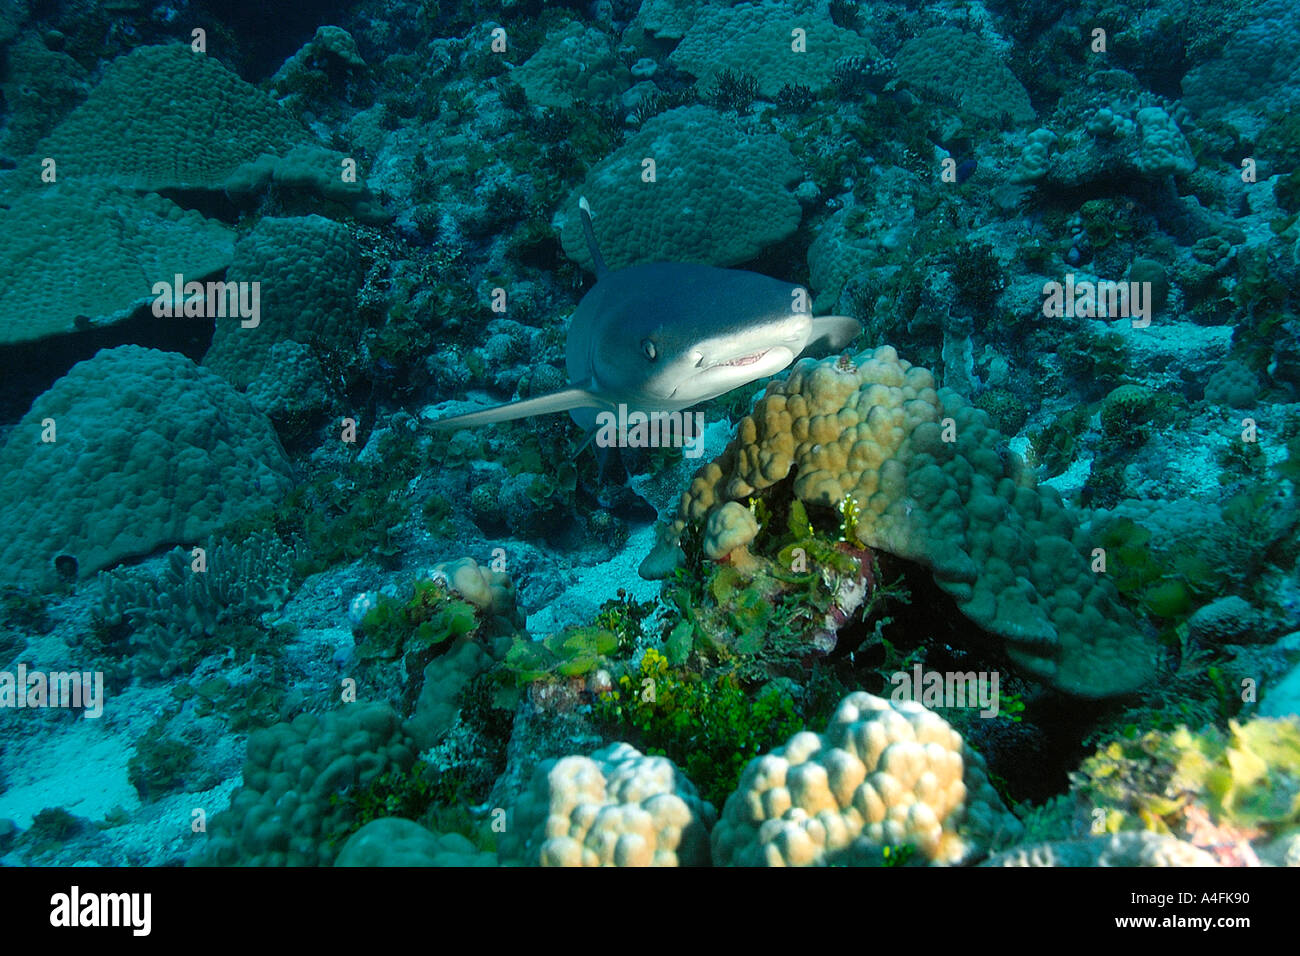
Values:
[(665, 336)]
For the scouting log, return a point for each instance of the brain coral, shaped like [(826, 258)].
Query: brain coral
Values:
[(948, 62), (165, 117), (149, 450), (935, 484), (720, 194), (309, 270), (614, 808), (93, 254), (284, 814), (758, 38), (883, 774)]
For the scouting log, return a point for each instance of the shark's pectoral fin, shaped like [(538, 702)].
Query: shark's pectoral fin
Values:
[(831, 332), (564, 401)]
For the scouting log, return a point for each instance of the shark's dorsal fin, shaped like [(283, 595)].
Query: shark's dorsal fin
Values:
[(831, 332), (563, 401), (584, 208)]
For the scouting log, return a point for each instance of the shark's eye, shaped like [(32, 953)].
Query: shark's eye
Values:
[(649, 349)]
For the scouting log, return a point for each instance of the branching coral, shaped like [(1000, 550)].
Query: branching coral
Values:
[(169, 621)]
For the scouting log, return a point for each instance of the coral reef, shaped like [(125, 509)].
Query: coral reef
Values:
[(882, 775), (80, 474), (1078, 492), (720, 194), (872, 429), (616, 807)]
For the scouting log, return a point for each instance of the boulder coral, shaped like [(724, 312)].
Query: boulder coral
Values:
[(934, 483), (883, 775)]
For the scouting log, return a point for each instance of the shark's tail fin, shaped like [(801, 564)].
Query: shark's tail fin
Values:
[(585, 208)]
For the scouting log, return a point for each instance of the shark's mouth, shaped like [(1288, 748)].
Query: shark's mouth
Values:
[(745, 359)]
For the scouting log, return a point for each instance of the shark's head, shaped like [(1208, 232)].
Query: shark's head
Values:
[(670, 335)]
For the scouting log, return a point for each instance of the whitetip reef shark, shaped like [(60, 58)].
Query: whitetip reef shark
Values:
[(664, 336)]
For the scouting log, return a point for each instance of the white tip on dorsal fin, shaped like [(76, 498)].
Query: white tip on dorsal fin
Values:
[(831, 332), (589, 233)]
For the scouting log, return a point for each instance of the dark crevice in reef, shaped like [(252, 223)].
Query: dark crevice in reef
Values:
[(270, 33), (1034, 755), (32, 367)]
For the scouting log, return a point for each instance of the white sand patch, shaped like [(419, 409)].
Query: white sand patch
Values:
[(598, 583), (79, 765)]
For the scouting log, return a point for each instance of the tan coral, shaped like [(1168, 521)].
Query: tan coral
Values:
[(730, 527), (935, 484), (614, 808), (492, 592), (883, 775)]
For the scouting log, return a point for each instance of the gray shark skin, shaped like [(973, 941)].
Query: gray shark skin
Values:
[(668, 335)]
